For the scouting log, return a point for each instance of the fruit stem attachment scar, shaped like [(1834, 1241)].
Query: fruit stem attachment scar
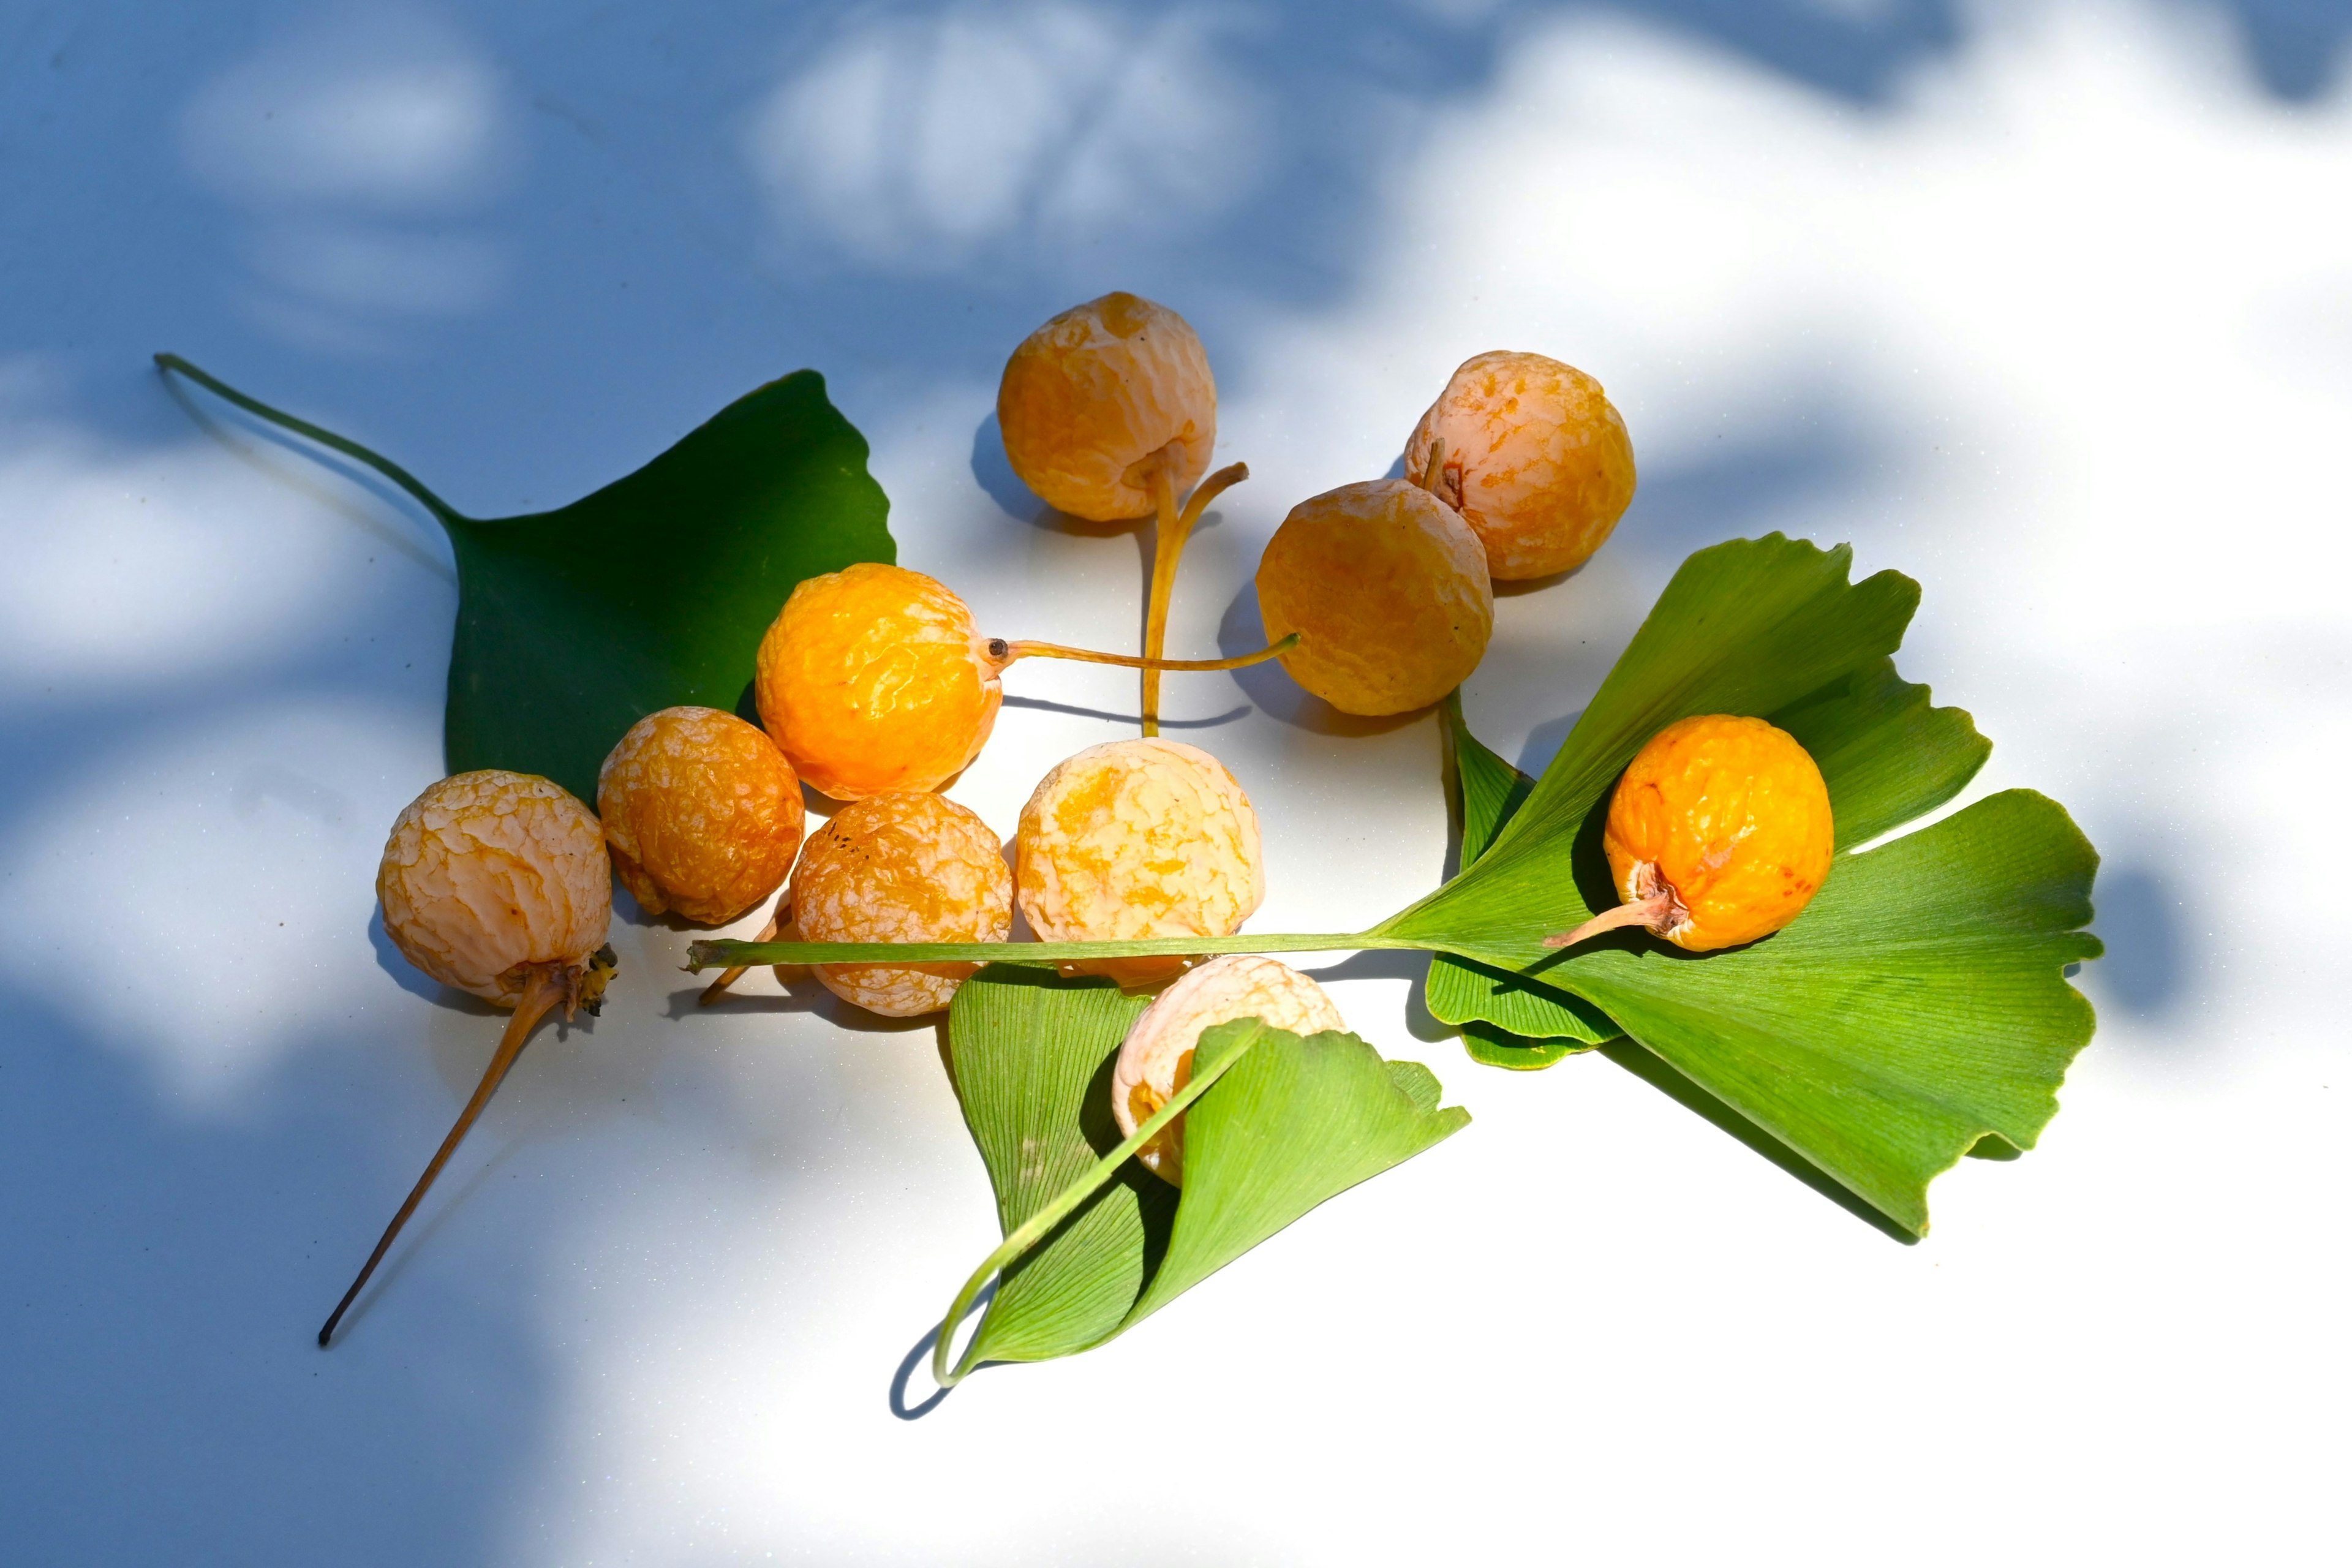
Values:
[(545, 985), (1433, 477), (1175, 527), (1004, 653)]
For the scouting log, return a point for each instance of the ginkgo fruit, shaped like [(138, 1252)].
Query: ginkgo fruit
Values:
[(1386, 588), (1138, 838), (1155, 1059), (874, 680), (1108, 412), (1719, 833), (901, 868), (701, 812), (1533, 455)]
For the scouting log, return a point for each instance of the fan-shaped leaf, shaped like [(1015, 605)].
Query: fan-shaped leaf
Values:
[(1920, 1004), (1292, 1122)]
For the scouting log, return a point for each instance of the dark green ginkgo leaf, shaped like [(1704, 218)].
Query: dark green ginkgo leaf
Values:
[(1276, 1124), (653, 590)]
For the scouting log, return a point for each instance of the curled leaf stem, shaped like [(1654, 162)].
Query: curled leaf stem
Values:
[(1063, 1203), (383, 464)]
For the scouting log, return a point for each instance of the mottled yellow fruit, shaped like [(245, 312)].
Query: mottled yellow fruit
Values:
[(875, 681), (701, 812), (489, 872), (1156, 1060), (1536, 459), (1138, 839), (901, 868), (1092, 396), (1729, 818), (1388, 589)]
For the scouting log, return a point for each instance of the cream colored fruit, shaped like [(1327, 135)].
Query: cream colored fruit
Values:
[(1155, 1059), (901, 868), (702, 813), (489, 873), (1388, 589), (1536, 459), (1093, 398), (1138, 839)]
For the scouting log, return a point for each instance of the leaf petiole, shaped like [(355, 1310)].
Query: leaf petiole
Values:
[(383, 464), (728, 953)]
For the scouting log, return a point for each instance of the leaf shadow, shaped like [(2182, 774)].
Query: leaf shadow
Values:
[(1662, 1076), (920, 1351), (1392, 964)]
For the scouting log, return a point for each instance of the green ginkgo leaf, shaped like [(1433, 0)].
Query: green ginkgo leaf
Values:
[(1277, 1124), (1919, 1005), (1917, 1011), (1886, 754), (1505, 1021), (653, 590)]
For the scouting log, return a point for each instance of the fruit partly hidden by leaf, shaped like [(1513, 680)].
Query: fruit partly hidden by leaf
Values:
[(1276, 1123), (651, 592), (1917, 1008)]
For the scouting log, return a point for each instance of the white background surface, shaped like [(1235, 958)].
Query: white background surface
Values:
[(2048, 306)]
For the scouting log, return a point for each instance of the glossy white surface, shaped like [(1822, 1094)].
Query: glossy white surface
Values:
[(2043, 305)]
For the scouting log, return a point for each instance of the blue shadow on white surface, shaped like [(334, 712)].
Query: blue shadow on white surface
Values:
[(545, 262)]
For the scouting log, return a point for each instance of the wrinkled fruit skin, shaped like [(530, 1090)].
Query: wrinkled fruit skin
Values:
[(1733, 815), (1156, 1059), (901, 868), (701, 812), (1138, 839), (875, 681), (489, 871), (1091, 394), (1536, 459), (1388, 589)]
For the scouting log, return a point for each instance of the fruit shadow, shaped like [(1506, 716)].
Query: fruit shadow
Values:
[(993, 473), (1269, 685)]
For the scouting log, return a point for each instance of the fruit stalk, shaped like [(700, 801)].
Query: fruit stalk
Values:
[(1175, 527), (547, 985)]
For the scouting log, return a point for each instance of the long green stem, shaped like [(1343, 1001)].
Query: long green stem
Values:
[(723, 953), (383, 464), (1034, 1229)]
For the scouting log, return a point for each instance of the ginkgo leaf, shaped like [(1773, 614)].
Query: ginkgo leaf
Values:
[(1920, 1004), (1885, 753), (1276, 1124), (652, 592)]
